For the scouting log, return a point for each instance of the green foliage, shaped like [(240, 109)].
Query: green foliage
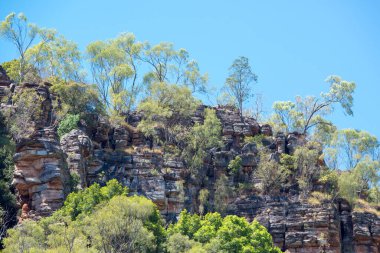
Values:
[(178, 242), (351, 146), (210, 224), (330, 179), (356, 152), (306, 164), (83, 202), (114, 69), (374, 194), (74, 181), (97, 219), (357, 182), (71, 103), (173, 66), (22, 118), (203, 200), (287, 161), (272, 174), (223, 193), (17, 30), (258, 139), (235, 165), (307, 113), (216, 234), (29, 237), (56, 58), (200, 139), (12, 68), (238, 83), (69, 123), (188, 224), (285, 116), (340, 92), (8, 206), (166, 107), (119, 225)]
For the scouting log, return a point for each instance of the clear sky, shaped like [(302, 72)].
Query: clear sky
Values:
[(292, 45)]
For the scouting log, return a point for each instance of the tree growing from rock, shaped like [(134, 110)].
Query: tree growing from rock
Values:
[(167, 110), (114, 70), (201, 138), (240, 80), (172, 66)]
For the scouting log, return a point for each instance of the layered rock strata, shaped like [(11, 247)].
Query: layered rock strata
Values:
[(100, 152)]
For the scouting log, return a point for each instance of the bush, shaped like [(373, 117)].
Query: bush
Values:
[(72, 103), (223, 193), (83, 202), (96, 219), (212, 233), (258, 139), (69, 123), (235, 165), (21, 120), (201, 138), (360, 182), (330, 178), (308, 170), (272, 175)]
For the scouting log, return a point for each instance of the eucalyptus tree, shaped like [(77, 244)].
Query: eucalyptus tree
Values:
[(114, 70), (306, 113), (167, 107), (350, 146), (239, 82), (57, 58), (173, 66), (22, 34)]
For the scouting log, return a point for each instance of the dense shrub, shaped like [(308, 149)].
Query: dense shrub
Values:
[(212, 233), (69, 123), (98, 219)]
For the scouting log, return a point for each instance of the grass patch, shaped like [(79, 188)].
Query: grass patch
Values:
[(317, 198), (362, 206)]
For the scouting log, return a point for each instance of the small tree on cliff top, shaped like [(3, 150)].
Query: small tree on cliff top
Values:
[(239, 82)]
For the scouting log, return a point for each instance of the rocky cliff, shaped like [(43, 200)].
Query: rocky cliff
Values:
[(101, 152)]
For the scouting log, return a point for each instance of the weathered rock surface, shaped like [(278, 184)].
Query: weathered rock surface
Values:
[(5, 83), (99, 152), (366, 232), (41, 177)]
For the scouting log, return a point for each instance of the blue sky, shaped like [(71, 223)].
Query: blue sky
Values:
[(292, 45)]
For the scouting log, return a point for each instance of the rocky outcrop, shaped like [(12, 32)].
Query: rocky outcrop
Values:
[(98, 152), (40, 175), (295, 225), (41, 178), (366, 232), (5, 84), (78, 148)]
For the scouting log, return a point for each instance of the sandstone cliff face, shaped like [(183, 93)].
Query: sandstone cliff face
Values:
[(5, 84), (102, 152), (40, 177)]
